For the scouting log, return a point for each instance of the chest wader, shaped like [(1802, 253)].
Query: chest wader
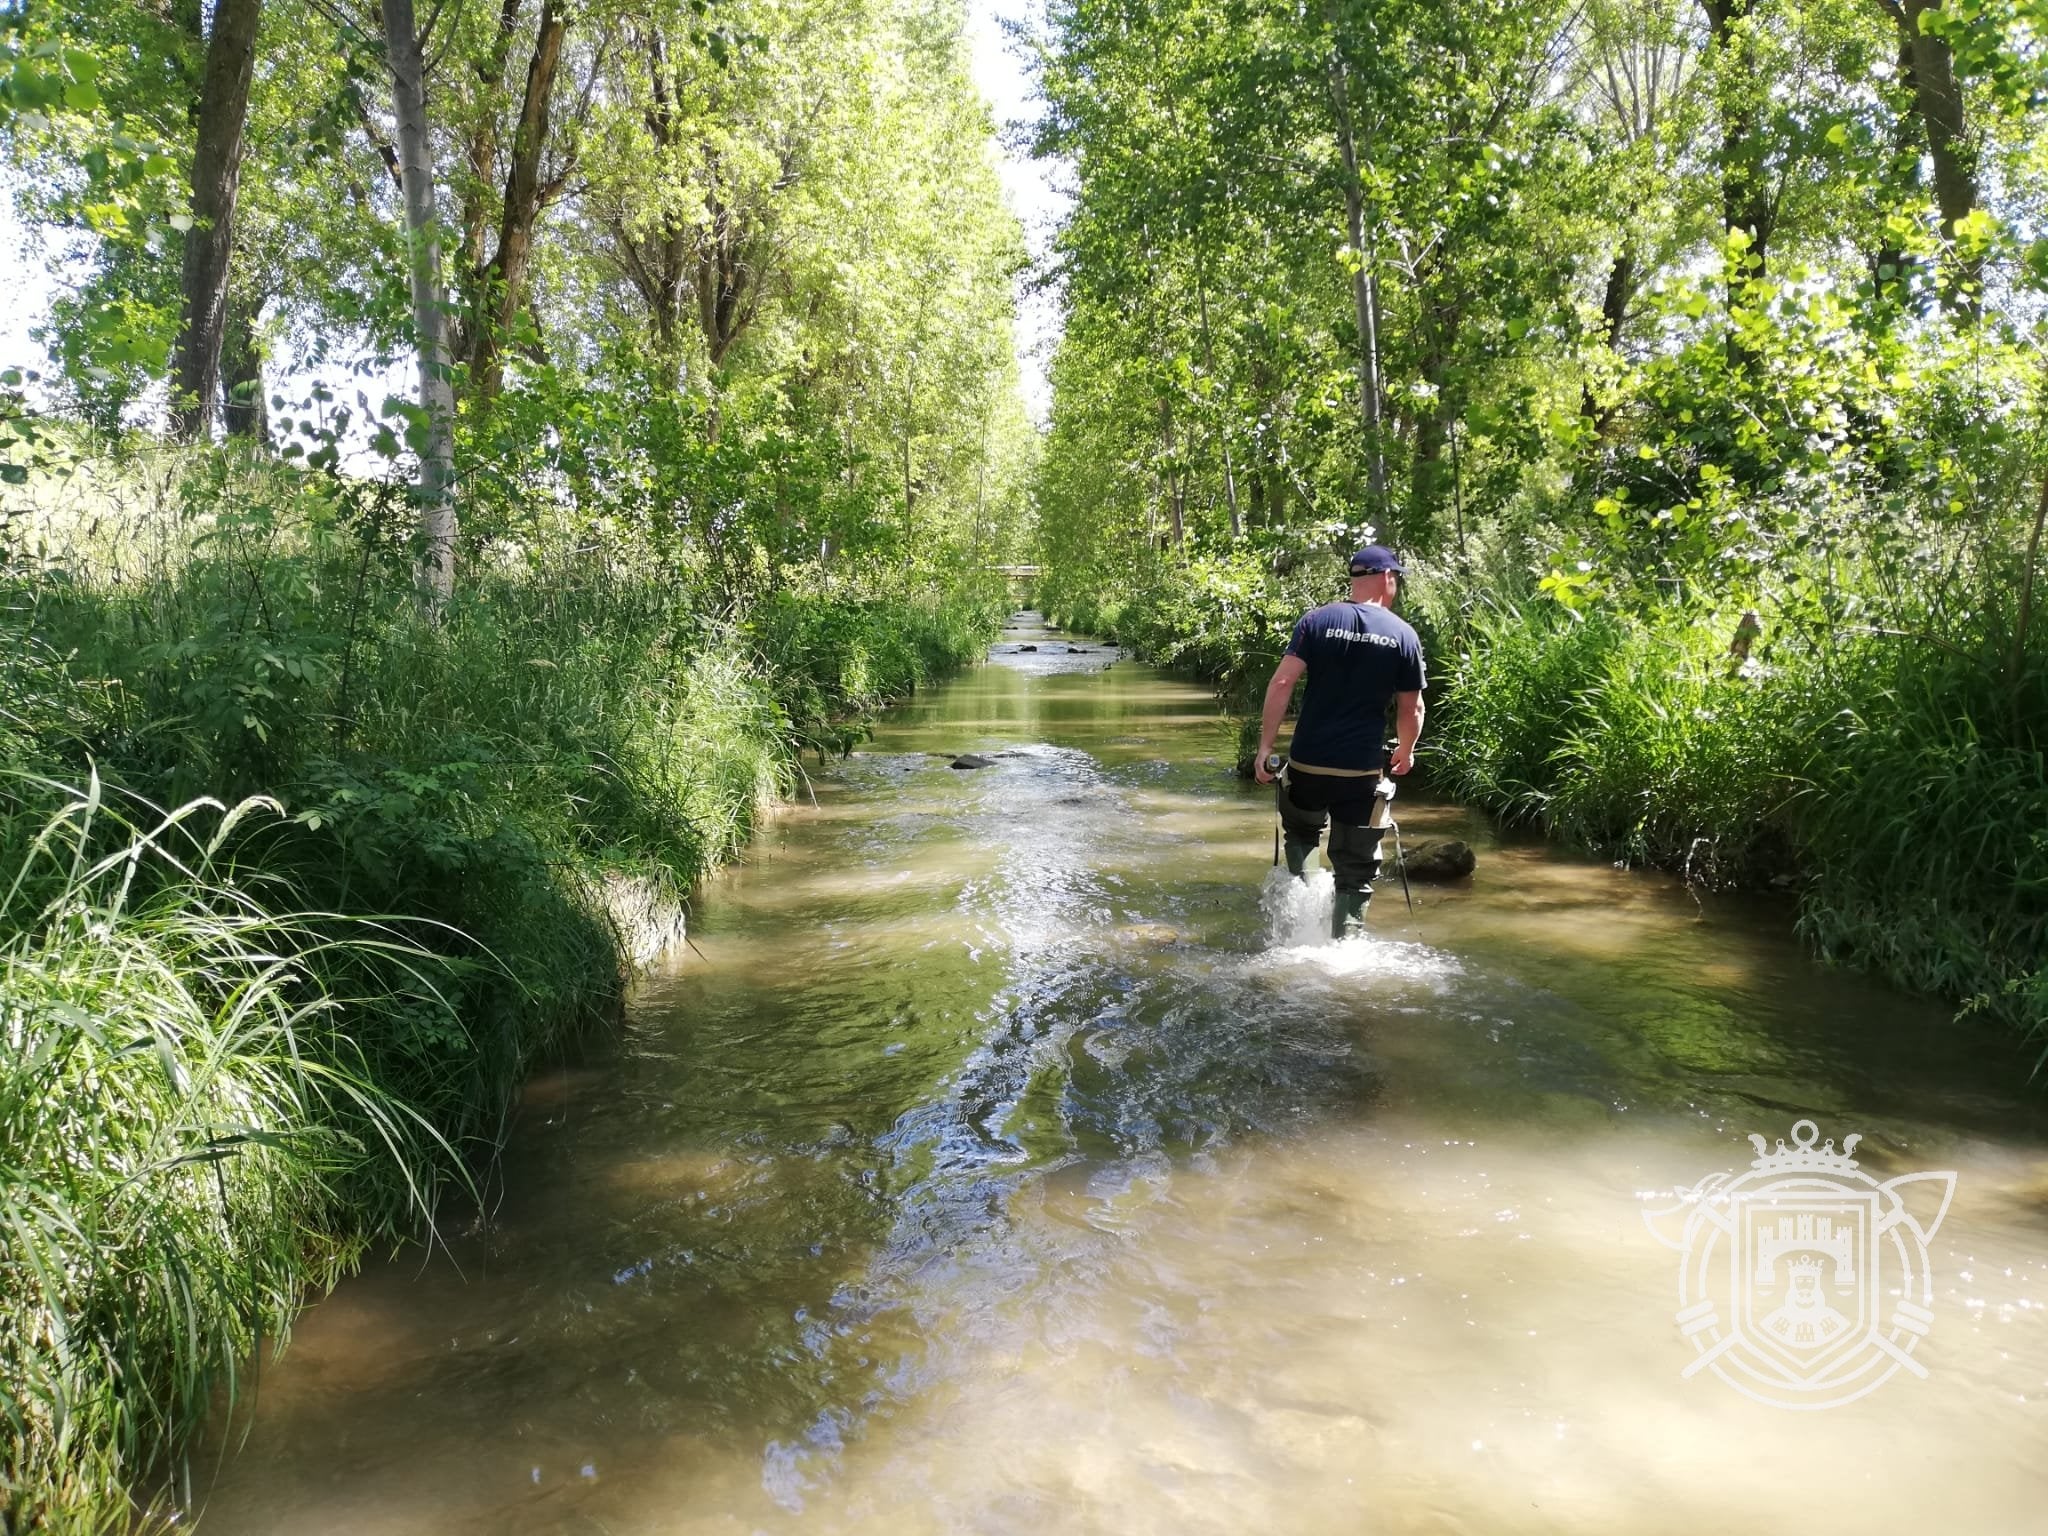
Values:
[(1354, 851), (1301, 829)]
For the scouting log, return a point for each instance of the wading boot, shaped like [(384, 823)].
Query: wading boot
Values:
[(1347, 916), (1297, 856)]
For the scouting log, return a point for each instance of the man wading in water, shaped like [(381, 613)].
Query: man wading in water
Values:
[(1359, 658)]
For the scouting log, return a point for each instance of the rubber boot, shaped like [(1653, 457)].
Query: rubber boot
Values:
[(1297, 856), (1347, 915)]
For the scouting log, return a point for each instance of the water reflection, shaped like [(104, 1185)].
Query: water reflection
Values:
[(1013, 1160)]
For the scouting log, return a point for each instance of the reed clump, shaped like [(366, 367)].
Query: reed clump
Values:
[(1891, 775), (191, 1134)]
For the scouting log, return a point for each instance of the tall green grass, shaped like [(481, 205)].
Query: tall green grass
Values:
[(211, 1107), (1896, 778), (1645, 742), (585, 709), (190, 1132), (1927, 828), (838, 660)]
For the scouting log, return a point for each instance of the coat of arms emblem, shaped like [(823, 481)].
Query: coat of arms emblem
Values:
[(1786, 1271)]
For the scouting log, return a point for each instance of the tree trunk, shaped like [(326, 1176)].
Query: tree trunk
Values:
[(909, 492), (216, 175), (659, 265), (732, 273), (245, 409), (1619, 292), (1890, 265), (1938, 101), (483, 153), (1435, 412), (482, 179), (1623, 273), (1364, 300), (1746, 201), (1427, 484), (502, 292), (435, 569)]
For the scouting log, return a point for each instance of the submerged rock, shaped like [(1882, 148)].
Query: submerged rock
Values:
[(1158, 935), (1023, 648), (1447, 859), (973, 760)]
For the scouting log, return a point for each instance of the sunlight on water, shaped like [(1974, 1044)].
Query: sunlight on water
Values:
[(1015, 1152)]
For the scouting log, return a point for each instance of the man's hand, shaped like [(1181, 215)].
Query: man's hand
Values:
[(1402, 760), (1278, 691)]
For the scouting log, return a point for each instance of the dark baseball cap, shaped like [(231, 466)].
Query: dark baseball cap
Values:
[(1373, 559)]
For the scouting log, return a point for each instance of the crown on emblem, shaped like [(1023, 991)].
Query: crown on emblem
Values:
[(1807, 1154), (1805, 1264)]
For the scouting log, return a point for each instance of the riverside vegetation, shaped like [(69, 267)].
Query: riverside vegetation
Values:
[(1693, 351), (1690, 349), (347, 759)]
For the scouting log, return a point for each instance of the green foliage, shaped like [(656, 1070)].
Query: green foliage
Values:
[(1926, 821), (1894, 777), (190, 1131), (93, 112), (1225, 617), (836, 662)]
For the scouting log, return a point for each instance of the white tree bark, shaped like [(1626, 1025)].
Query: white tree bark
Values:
[(436, 563)]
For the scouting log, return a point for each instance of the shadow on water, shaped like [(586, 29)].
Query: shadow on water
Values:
[(1015, 1158)]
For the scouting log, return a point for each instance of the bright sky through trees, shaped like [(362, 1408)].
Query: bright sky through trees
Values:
[(1031, 185), (1000, 73)]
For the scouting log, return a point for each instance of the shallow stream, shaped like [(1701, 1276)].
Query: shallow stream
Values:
[(1011, 1155)]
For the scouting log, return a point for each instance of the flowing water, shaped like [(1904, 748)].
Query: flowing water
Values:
[(1014, 1157)]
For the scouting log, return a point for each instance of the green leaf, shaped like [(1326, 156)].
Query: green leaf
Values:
[(1976, 229)]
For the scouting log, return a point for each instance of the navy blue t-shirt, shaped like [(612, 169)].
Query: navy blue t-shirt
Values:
[(1359, 656)]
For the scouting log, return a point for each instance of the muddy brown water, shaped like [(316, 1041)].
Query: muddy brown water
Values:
[(1014, 1159)]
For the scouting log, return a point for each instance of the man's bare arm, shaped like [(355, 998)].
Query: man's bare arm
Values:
[(1407, 731), (1278, 692)]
